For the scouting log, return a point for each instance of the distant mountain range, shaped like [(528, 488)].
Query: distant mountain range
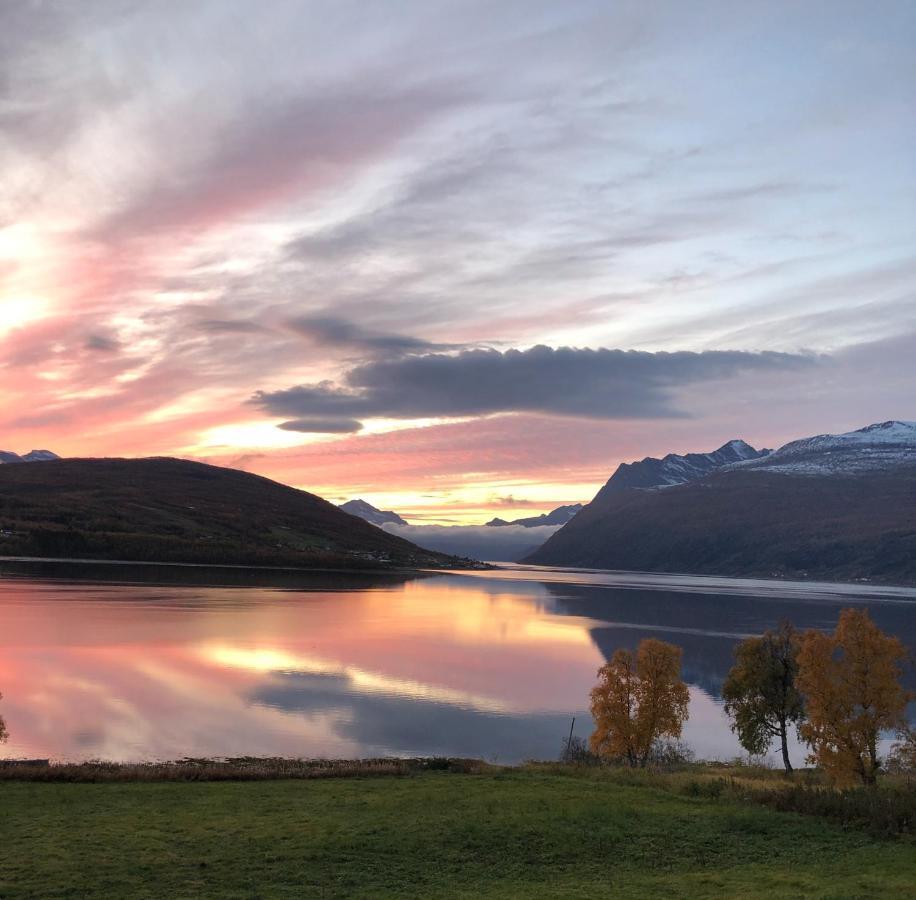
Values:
[(830, 506), (489, 542), (174, 510), (559, 516), (369, 513), (7, 456), (366, 511)]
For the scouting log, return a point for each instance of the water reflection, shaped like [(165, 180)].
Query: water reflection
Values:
[(707, 626), (482, 664)]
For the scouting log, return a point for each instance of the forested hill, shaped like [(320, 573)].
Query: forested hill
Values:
[(174, 510)]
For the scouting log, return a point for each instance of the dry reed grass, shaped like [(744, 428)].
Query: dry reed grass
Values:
[(230, 769)]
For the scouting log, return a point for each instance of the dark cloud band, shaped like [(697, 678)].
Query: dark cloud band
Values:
[(595, 384), (336, 332), (322, 426)]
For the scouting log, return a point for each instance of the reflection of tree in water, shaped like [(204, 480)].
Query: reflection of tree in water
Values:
[(708, 626)]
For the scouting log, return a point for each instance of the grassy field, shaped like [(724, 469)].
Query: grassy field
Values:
[(516, 833)]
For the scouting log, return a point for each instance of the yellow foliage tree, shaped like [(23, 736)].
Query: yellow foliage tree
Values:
[(904, 751), (851, 684), (637, 701)]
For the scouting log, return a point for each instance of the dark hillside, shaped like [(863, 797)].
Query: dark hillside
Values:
[(174, 510), (752, 523)]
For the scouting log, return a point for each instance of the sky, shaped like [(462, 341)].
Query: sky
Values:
[(459, 259)]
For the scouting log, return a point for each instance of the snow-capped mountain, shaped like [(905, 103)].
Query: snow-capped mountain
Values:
[(369, 513), (678, 469), (7, 456), (832, 506), (559, 516), (880, 446)]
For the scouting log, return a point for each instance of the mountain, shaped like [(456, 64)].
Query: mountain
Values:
[(39, 456), (674, 469), (559, 516), (873, 448), (173, 510), (7, 456), (369, 513), (830, 506)]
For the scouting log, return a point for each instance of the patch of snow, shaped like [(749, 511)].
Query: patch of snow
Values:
[(371, 514), (40, 456), (674, 469), (7, 456), (879, 446)]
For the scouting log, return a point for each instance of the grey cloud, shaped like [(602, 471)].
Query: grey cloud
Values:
[(467, 228), (229, 326), (322, 426), (101, 343), (311, 141), (874, 301), (511, 500), (339, 332), (431, 203), (48, 82), (598, 384)]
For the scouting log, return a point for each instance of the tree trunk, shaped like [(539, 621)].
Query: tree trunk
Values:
[(873, 762), (785, 749), (862, 770)]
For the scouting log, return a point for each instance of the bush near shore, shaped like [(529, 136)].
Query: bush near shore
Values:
[(246, 768)]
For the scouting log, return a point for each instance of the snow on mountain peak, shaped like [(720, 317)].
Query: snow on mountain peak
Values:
[(7, 456), (878, 446), (892, 432), (40, 456), (741, 449), (673, 469), (371, 514)]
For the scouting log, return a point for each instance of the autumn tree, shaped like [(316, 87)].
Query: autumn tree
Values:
[(903, 753), (760, 693), (637, 701), (850, 681)]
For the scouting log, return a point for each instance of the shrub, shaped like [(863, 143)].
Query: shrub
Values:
[(711, 788), (670, 755), (884, 811), (576, 752)]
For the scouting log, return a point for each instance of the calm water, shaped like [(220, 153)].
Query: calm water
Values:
[(118, 663)]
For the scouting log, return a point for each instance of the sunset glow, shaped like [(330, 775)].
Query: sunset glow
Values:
[(382, 256), (419, 417)]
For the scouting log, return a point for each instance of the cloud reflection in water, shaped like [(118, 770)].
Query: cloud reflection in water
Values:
[(491, 665)]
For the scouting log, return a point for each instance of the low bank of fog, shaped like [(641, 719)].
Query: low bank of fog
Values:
[(508, 543)]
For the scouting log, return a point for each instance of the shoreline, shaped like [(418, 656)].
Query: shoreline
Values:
[(115, 564), (639, 578), (278, 768)]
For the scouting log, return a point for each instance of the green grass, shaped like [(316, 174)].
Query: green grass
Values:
[(520, 833)]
